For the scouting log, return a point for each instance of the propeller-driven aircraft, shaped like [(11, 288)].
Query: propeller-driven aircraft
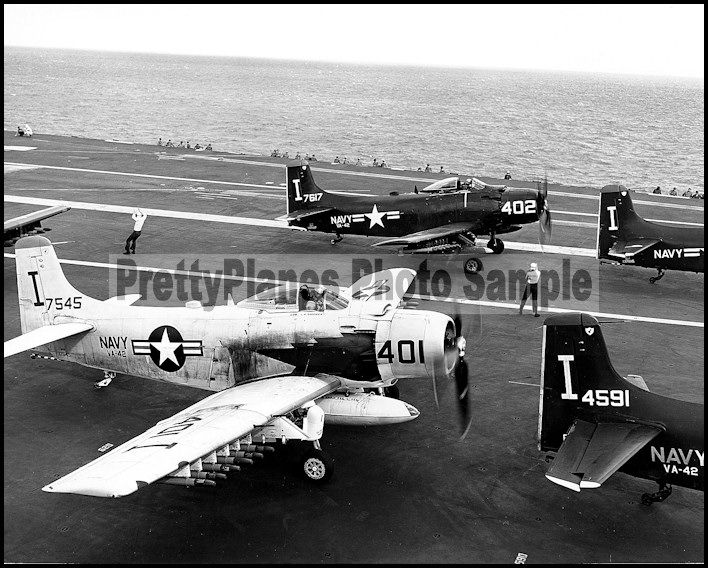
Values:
[(600, 422), (29, 224), (444, 217), (281, 363), (623, 237)]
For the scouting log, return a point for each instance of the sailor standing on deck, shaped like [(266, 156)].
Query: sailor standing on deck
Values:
[(532, 276), (139, 218)]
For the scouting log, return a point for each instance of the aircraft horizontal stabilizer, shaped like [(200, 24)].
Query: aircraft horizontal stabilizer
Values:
[(305, 214), (624, 249), (592, 452), (43, 335)]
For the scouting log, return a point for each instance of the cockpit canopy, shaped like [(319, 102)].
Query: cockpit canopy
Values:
[(448, 185), (443, 186), (295, 297)]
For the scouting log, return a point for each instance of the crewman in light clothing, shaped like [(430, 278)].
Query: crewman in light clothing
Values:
[(532, 276), (139, 218)]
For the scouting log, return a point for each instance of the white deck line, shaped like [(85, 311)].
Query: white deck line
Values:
[(687, 323), (574, 251), (346, 172)]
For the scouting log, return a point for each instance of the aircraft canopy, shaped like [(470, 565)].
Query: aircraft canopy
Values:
[(294, 296)]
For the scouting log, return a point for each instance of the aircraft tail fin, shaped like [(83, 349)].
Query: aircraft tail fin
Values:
[(578, 380), (302, 191), (42, 289), (617, 218)]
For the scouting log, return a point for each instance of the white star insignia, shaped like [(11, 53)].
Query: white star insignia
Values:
[(166, 348), (375, 217)]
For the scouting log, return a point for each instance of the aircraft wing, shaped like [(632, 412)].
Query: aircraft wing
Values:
[(43, 335), (592, 452), (625, 249), (33, 218), (428, 234), (197, 432)]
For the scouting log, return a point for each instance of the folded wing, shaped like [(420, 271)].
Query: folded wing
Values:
[(429, 234), (196, 432), (591, 453)]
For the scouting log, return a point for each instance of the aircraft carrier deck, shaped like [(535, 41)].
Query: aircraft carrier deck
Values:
[(407, 493)]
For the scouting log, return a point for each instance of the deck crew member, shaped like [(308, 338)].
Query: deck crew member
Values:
[(532, 276), (139, 218)]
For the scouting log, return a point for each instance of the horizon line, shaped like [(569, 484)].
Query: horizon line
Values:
[(367, 63)]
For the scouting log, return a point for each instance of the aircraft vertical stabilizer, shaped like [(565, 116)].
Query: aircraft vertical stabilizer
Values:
[(574, 361), (42, 289), (302, 191)]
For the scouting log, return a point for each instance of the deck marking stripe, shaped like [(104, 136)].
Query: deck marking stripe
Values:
[(366, 174), (687, 323), (554, 249)]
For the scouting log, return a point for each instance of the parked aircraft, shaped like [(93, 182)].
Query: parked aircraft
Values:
[(326, 357), (29, 224), (444, 217), (600, 422), (623, 237)]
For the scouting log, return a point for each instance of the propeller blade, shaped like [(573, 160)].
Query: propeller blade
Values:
[(463, 399), (544, 227), (544, 216), (461, 374)]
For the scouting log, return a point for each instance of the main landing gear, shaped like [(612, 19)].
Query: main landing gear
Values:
[(316, 465), (659, 276), (108, 376), (335, 240), (661, 495), (472, 266), (497, 245)]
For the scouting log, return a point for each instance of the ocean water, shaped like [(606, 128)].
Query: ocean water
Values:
[(581, 129)]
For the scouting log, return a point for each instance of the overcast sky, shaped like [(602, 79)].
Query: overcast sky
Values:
[(634, 39)]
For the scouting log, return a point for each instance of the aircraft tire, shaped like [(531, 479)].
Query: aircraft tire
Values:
[(317, 466), (497, 245), (472, 266)]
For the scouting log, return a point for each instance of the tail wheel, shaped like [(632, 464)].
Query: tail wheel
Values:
[(472, 266), (497, 245), (317, 466)]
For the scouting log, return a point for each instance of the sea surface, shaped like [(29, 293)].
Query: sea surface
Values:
[(580, 129)]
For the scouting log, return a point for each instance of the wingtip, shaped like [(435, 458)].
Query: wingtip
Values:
[(564, 483)]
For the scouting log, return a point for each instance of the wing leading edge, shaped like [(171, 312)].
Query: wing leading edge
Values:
[(196, 432), (591, 453)]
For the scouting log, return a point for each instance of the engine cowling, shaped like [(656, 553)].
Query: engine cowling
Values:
[(519, 206), (415, 344)]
